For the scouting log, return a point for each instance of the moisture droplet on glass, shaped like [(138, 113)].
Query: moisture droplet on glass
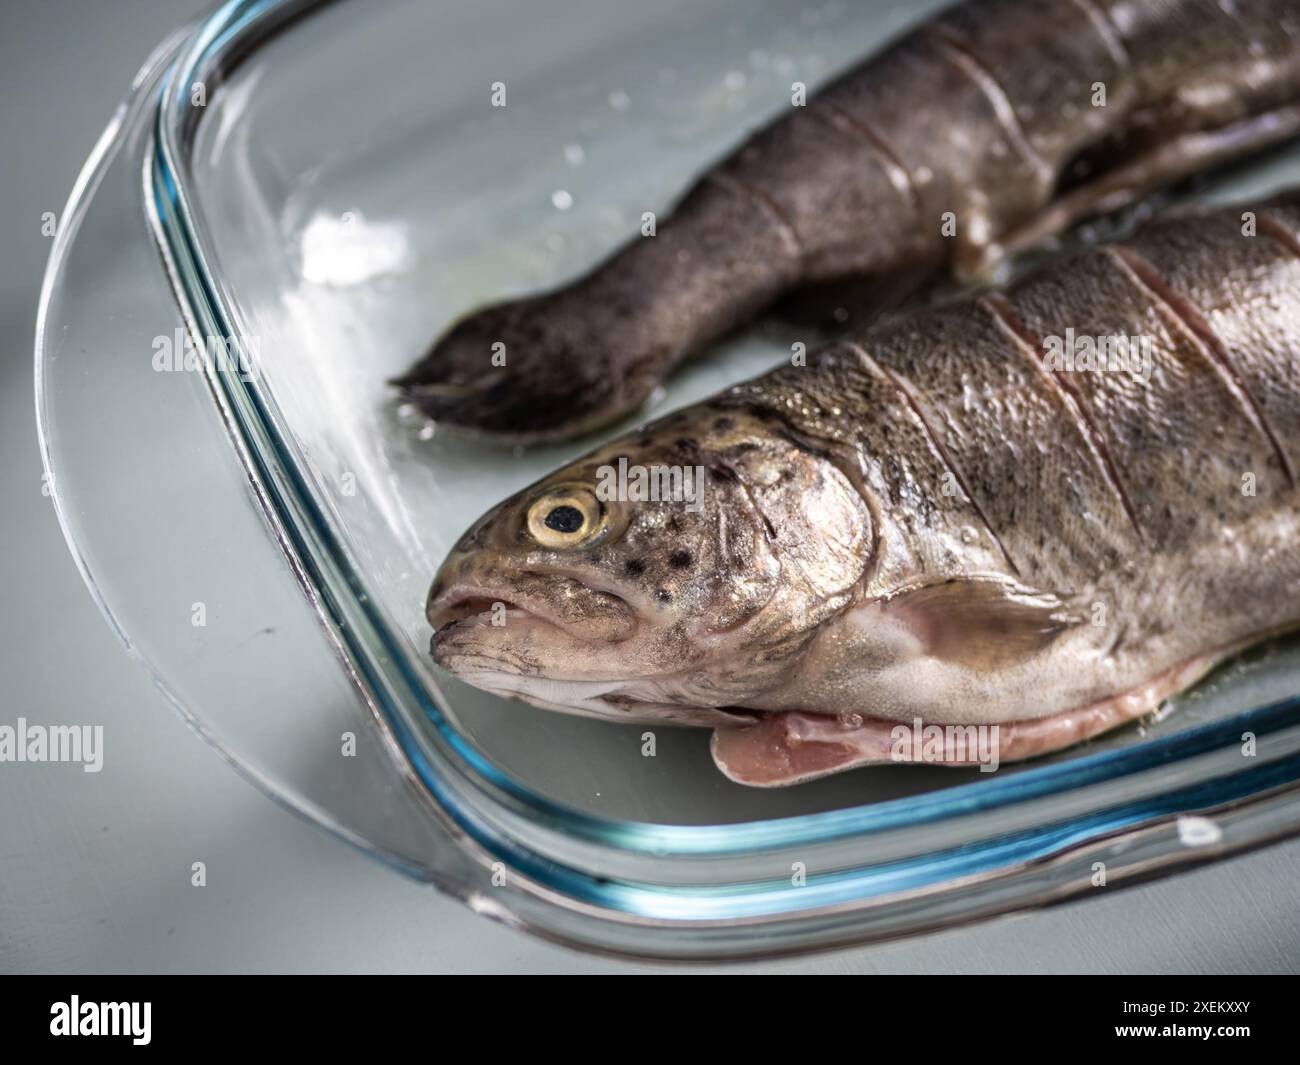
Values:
[(426, 431), (1198, 832), (851, 720), (969, 535), (574, 154), (562, 199), (619, 100)]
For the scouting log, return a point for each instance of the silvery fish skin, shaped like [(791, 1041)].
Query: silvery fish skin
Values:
[(957, 518), (977, 133)]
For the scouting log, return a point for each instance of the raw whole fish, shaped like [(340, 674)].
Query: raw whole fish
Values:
[(986, 129), (1043, 509)]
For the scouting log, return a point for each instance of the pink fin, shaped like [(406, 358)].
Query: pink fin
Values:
[(792, 747)]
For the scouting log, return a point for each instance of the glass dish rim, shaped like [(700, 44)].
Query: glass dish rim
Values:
[(216, 41)]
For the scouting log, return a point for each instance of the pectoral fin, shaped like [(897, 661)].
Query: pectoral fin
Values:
[(983, 624)]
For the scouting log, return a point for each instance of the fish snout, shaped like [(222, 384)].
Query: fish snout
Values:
[(505, 602)]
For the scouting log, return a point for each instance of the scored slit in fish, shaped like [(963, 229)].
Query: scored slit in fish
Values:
[(940, 520), (990, 127)]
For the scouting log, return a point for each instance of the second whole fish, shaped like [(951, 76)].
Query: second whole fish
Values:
[(987, 128)]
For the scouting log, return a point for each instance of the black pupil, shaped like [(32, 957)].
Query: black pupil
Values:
[(564, 519)]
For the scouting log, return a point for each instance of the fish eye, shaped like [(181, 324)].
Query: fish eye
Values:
[(565, 516), (565, 519)]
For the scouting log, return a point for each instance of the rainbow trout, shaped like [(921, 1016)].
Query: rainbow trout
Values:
[(986, 129), (976, 534)]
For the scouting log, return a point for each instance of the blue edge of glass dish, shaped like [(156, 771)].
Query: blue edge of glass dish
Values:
[(705, 902)]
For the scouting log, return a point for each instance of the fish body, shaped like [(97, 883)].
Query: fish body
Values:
[(988, 128), (956, 519)]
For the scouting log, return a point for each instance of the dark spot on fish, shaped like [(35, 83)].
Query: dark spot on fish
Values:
[(634, 567), (724, 424), (674, 523), (663, 595), (680, 559), (685, 443)]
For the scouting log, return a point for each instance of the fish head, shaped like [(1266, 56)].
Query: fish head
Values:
[(668, 576)]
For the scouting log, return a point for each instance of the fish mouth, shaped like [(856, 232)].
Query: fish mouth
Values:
[(471, 606), (552, 641), (555, 600)]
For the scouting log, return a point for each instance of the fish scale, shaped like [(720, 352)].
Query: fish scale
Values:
[(1181, 442), (1252, 314), (1025, 457)]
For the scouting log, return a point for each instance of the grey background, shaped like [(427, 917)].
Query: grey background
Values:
[(95, 868)]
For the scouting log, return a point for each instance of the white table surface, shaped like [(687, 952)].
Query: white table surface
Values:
[(95, 868)]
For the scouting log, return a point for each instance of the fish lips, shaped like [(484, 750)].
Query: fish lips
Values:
[(474, 612)]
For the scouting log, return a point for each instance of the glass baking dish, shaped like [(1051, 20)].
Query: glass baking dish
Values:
[(327, 185)]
